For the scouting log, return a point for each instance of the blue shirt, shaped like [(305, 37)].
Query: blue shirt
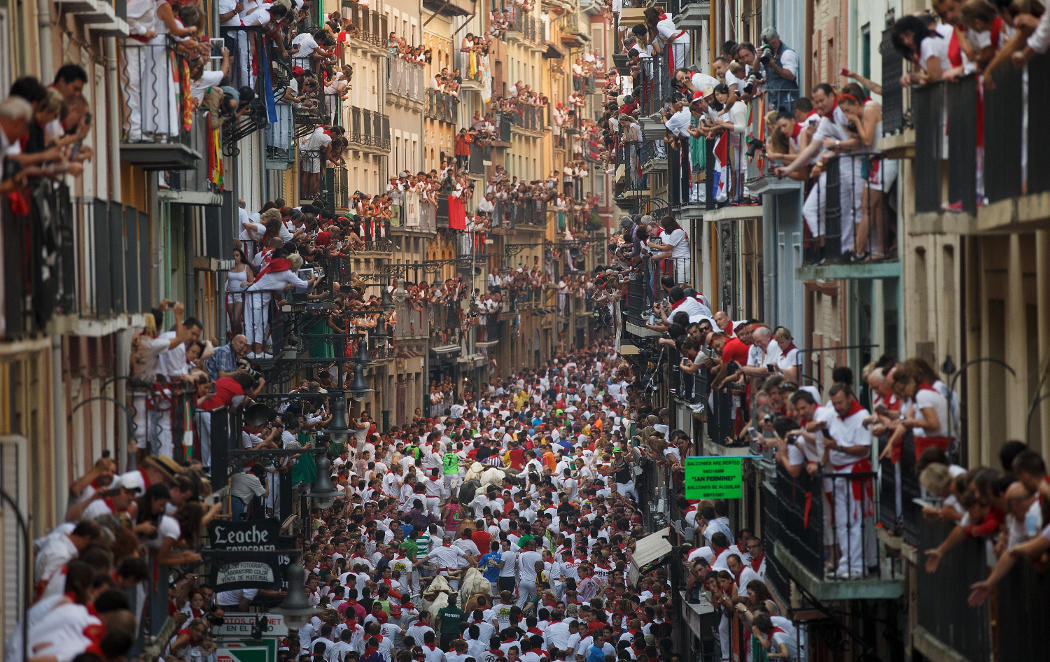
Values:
[(596, 653), (491, 564), (222, 359)]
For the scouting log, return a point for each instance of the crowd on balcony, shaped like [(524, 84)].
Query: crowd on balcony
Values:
[(42, 130), (714, 147), (511, 542), (400, 48)]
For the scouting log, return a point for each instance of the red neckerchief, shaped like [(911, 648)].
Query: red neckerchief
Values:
[(276, 264), (677, 303), (955, 54), (798, 130), (834, 105), (756, 563), (854, 407), (925, 386)]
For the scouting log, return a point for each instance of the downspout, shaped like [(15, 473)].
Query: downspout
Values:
[(44, 27)]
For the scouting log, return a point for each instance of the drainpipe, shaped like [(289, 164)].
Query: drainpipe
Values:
[(60, 430), (44, 27), (113, 122)]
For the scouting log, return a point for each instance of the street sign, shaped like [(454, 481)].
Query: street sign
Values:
[(239, 625), (245, 554), (255, 651), (714, 478)]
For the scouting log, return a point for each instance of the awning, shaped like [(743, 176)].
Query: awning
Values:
[(553, 51), (647, 550)]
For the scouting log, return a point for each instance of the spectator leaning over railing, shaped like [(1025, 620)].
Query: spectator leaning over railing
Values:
[(831, 139)]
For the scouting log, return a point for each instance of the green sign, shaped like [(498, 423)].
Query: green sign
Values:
[(714, 478), (248, 651)]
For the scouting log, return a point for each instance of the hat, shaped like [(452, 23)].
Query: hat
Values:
[(298, 71), (166, 465), (130, 483)]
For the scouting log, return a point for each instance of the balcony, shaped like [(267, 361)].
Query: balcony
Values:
[(370, 27), (368, 130), (154, 135), (280, 139), (845, 224), (252, 68), (655, 85), (1016, 190), (795, 508), (504, 123), (414, 215), (405, 81), (467, 63), (451, 8), (480, 158), (528, 214), (194, 186), (529, 119), (101, 17), (629, 182), (442, 106)]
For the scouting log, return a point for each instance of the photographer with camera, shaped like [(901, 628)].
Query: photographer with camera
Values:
[(780, 66)]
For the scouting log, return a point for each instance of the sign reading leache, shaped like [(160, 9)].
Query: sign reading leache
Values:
[(246, 554), (714, 478)]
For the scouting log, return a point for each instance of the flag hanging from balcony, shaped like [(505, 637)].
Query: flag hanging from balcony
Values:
[(267, 84), (215, 165), (720, 182), (186, 93), (457, 214)]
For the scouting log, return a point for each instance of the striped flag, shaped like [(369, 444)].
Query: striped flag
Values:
[(720, 182)]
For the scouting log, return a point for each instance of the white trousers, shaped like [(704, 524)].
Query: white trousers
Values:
[(257, 317)]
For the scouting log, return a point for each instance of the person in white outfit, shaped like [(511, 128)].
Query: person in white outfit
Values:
[(849, 451), (277, 276)]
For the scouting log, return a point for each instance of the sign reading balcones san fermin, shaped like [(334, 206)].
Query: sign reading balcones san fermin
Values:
[(246, 554)]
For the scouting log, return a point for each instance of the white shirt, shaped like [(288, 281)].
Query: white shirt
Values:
[(929, 399), (936, 46), (849, 432), (56, 552), (679, 122)]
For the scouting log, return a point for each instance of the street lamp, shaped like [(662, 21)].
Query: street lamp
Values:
[(296, 608), (338, 432), (323, 492), (359, 390)]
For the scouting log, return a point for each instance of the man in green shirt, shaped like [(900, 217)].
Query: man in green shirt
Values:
[(450, 621)]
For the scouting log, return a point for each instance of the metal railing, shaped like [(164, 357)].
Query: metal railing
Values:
[(1006, 139), (892, 92), (442, 106), (532, 118), (151, 82), (510, 214), (280, 138), (469, 65), (629, 157), (371, 26), (654, 84), (405, 79), (809, 526), (941, 609), (846, 211), (368, 128), (445, 325)]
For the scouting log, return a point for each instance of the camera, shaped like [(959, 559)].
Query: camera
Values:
[(306, 273), (765, 56), (851, 126)]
